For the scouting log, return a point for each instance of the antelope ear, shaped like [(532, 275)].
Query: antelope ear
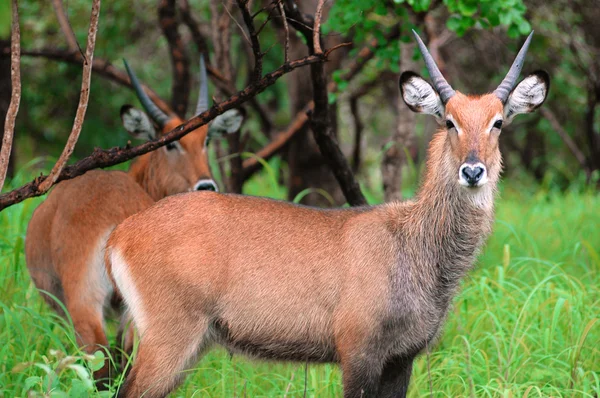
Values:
[(137, 123), (528, 95), (226, 123), (420, 96)]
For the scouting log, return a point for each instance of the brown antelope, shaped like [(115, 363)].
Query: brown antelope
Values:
[(67, 233), (367, 288)]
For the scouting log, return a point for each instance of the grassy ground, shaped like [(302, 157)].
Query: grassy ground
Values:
[(525, 323)]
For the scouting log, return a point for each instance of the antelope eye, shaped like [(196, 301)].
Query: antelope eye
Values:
[(498, 124), (449, 124), (170, 146)]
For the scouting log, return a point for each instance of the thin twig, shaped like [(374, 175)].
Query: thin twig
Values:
[(105, 158), (564, 135), (286, 29), (317, 28), (243, 5), (237, 23), (100, 66), (180, 64), (83, 100), (15, 98), (65, 26)]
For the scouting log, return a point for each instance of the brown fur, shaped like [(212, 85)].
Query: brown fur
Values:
[(367, 288), (67, 232)]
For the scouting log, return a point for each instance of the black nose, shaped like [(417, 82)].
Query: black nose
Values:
[(206, 186), (472, 174)]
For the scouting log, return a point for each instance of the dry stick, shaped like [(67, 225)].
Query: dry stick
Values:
[(180, 86), (100, 66), (83, 100), (252, 165), (65, 26), (15, 98), (222, 83), (549, 115), (358, 129), (243, 5), (104, 158), (286, 29), (317, 29)]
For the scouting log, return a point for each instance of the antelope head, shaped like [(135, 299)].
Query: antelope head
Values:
[(180, 165), (473, 122)]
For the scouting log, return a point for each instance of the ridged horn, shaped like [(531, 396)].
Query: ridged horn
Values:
[(154, 111), (203, 91), (510, 80), (440, 84)]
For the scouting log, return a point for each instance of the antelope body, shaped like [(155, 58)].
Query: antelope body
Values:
[(67, 232), (367, 288)]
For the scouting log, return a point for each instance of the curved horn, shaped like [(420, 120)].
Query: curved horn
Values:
[(510, 80), (154, 111), (439, 83), (203, 91)]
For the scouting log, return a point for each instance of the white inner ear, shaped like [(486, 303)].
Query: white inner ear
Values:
[(422, 98), (227, 123), (528, 95), (138, 124)]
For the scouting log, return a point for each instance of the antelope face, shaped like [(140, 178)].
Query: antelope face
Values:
[(473, 123), (182, 165)]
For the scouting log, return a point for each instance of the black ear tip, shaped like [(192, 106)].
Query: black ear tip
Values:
[(543, 75), (242, 111), (125, 108), (406, 76)]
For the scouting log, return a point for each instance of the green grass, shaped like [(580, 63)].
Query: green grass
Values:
[(524, 324)]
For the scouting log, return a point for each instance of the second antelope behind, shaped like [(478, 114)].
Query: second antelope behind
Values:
[(368, 288), (66, 236)]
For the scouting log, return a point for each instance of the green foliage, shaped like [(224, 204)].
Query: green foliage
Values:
[(524, 323), (466, 14)]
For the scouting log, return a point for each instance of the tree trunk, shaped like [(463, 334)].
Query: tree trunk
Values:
[(404, 137), (308, 169), (5, 92)]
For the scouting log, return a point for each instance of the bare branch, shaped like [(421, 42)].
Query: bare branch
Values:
[(65, 26), (105, 158), (564, 135), (286, 29), (358, 129), (100, 66), (180, 86), (83, 100), (189, 20), (317, 28), (15, 99), (243, 5)]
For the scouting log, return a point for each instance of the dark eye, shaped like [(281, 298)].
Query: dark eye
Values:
[(498, 124), (170, 146), (449, 124)]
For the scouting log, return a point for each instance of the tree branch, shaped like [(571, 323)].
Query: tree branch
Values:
[(105, 158), (15, 99), (180, 87), (549, 115), (243, 5), (100, 66), (83, 100), (65, 26)]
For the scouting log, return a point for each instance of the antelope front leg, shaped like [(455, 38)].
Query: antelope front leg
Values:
[(395, 377), (361, 376)]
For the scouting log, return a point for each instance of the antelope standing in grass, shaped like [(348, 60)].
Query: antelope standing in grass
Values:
[(367, 288), (67, 233)]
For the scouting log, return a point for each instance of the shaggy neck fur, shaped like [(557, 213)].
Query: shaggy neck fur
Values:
[(443, 229)]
